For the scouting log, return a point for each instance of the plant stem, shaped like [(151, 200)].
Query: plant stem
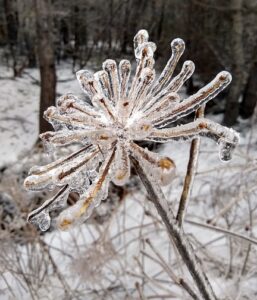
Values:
[(191, 169), (176, 233)]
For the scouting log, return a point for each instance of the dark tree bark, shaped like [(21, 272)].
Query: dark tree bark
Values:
[(161, 21), (250, 94), (11, 13), (237, 52), (125, 27), (110, 25), (45, 51)]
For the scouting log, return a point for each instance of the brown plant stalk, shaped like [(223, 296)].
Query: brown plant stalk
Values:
[(176, 233)]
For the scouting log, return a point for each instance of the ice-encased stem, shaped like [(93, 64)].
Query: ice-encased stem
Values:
[(110, 67), (177, 47), (191, 170), (193, 102), (176, 233), (227, 138)]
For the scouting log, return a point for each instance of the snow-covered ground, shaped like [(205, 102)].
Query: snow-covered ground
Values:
[(115, 255)]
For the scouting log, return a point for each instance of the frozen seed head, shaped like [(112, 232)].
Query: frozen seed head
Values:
[(141, 37), (225, 76), (178, 45), (122, 112), (109, 65)]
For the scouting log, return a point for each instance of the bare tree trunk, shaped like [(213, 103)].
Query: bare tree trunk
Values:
[(10, 7), (250, 94), (110, 25), (125, 37), (45, 50), (238, 65), (161, 21)]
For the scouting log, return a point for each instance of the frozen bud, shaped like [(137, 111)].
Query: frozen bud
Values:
[(125, 66), (225, 77), (178, 45), (141, 37), (188, 67), (102, 76), (87, 82), (109, 65), (38, 183), (166, 170), (85, 76), (50, 112), (145, 50), (66, 102)]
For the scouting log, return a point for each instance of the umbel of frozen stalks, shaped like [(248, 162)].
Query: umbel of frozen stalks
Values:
[(124, 109)]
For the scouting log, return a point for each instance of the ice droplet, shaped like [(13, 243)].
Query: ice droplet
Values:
[(43, 220), (226, 150)]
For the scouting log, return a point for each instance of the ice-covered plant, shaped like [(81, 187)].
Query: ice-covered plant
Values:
[(109, 128), (120, 114)]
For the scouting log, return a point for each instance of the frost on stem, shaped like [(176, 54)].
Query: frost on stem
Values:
[(108, 129)]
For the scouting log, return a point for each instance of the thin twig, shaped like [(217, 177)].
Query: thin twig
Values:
[(140, 292), (191, 170), (176, 233), (178, 280), (223, 230), (234, 201)]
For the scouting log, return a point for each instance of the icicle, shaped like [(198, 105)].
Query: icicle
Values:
[(177, 47), (110, 67)]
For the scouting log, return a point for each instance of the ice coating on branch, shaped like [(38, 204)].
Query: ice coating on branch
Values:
[(121, 113), (41, 217)]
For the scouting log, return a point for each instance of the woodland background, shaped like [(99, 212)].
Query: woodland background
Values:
[(42, 44), (218, 35)]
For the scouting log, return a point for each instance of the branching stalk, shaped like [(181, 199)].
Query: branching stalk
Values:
[(176, 234)]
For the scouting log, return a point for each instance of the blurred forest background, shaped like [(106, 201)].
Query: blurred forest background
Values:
[(123, 251), (218, 35)]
